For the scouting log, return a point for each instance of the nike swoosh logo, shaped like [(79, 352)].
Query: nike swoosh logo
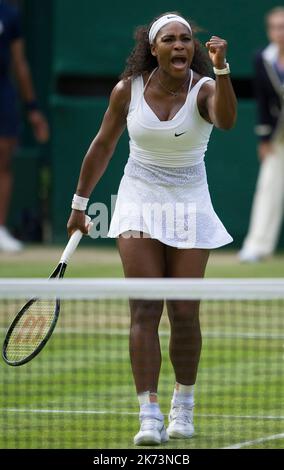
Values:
[(177, 135)]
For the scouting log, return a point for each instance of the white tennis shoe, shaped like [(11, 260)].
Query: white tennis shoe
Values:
[(7, 242), (152, 431), (248, 256), (180, 422)]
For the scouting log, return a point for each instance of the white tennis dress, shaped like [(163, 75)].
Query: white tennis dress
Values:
[(164, 192)]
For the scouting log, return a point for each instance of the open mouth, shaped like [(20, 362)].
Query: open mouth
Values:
[(178, 61)]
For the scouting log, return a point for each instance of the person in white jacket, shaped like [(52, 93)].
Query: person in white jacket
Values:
[(268, 202)]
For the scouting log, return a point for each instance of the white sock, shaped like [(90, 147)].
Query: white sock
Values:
[(144, 398), (148, 408), (183, 395)]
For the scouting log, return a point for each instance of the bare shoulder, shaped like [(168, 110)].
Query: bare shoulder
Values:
[(206, 91), (121, 94)]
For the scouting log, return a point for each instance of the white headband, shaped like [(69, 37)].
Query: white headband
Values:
[(155, 28)]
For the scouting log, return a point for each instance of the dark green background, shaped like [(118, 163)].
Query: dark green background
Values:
[(88, 38)]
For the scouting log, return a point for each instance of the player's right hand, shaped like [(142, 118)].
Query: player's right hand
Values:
[(77, 221)]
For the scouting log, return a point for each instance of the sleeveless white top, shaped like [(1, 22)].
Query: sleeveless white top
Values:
[(179, 142), (164, 191)]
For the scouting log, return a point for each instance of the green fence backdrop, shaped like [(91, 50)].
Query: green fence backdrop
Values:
[(77, 51)]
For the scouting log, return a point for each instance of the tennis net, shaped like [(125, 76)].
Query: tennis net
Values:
[(79, 391)]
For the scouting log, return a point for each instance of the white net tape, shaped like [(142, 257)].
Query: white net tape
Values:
[(190, 289)]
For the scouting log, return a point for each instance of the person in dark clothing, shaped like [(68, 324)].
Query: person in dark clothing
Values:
[(12, 55)]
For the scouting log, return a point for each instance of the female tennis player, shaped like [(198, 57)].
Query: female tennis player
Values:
[(163, 220)]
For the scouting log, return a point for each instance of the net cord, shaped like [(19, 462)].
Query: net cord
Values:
[(114, 288)]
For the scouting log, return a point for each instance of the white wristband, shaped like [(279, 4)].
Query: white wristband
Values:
[(79, 203), (224, 71)]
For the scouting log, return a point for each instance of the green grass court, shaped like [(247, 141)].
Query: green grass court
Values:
[(36, 261), (79, 392)]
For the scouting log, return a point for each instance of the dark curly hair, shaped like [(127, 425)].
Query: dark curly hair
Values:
[(141, 59)]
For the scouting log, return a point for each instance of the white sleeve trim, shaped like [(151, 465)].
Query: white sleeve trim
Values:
[(263, 129)]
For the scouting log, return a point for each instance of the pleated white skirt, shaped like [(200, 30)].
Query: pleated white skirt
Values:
[(172, 205)]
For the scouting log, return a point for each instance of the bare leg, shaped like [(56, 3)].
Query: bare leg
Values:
[(185, 342), (144, 257), (144, 344)]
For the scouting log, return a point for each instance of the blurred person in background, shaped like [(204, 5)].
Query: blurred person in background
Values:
[(267, 209), (12, 55)]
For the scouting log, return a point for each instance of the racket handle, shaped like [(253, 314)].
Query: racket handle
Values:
[(73, 243)]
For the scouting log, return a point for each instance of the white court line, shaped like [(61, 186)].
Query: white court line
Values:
[(255, 441), (94, 412), (206, 334), (271, 417), (83, 412), (90, 412)]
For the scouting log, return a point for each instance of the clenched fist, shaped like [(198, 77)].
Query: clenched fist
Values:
[(217, 49)]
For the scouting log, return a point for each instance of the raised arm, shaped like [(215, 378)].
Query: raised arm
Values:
[(220, 102), (101, 149)]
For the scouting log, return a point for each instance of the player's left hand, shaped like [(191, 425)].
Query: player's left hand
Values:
[(39, 125), (217, 49)]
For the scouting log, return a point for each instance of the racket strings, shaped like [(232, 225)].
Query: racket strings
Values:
[(31, 329)]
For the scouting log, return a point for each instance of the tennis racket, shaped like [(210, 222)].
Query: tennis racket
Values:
[(34, 324)]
